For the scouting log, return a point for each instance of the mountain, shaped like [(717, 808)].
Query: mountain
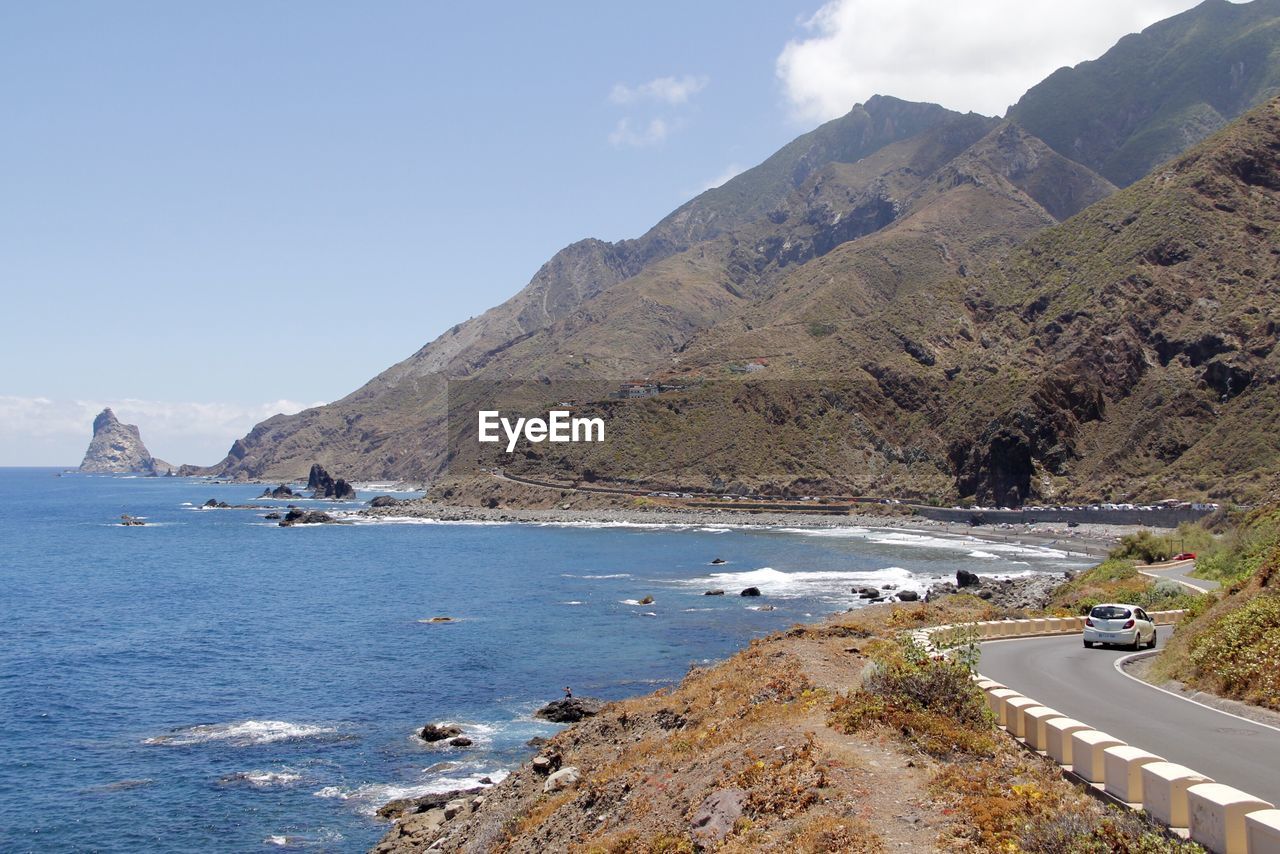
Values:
[(907, 300), (1127, 352), (1159, 91), (391, 427), (117, 448)]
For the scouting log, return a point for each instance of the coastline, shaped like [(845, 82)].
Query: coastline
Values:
[(1086, 541), (819, 649)]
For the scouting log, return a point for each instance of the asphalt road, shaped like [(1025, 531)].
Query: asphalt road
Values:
[(1179, 573), (1084, 684)]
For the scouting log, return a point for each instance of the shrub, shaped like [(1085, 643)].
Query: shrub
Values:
[(1144, 546), (933, 703), (1240, 653)]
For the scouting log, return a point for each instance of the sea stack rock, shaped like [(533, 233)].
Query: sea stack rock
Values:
[(117, 448), (322, 484)]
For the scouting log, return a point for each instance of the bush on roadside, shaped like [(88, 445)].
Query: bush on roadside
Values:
[(932, 702), (1237, 655), (1143, 546), (1117, 580)]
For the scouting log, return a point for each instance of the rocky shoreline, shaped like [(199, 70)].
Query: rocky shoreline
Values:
[(459, 820)]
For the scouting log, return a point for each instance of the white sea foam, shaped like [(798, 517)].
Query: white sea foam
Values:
[(773, 582), (912, 538), (243, 733), (633, 602), (369, 797), (419, 520), (572, 602), (264, 779), (596, 577)]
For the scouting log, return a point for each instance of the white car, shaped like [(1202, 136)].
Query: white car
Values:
[(1119, 625)]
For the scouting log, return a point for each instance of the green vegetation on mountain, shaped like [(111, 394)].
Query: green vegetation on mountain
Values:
[(1159, 91), (1230, 642)]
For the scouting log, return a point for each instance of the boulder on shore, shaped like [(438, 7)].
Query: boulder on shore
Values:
[(412, 806), (908, 596), (566, 778), (570, 710), (965, 578), (715, 818), (387, 501)]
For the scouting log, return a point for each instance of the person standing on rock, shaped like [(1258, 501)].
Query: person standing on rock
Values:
[(568, 693)]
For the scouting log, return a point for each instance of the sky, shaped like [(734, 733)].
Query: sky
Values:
[(215, 212)]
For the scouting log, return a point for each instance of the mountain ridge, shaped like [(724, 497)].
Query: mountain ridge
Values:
[(871, 270)]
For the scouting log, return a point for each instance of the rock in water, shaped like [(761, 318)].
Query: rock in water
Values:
[(305, 517), (750, 591), (323, 485), (281, 491), (570, 710), (439, 732), (117, 448)]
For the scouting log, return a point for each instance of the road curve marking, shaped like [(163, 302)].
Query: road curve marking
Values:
[(1118, 664), (1195, 587)]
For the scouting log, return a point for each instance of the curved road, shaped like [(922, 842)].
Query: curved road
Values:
[(1084, 684), (1178, 571)]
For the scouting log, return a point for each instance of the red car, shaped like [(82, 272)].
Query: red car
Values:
[(1185, 556)]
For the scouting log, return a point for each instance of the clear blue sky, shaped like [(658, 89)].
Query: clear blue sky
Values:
[(227, 205)]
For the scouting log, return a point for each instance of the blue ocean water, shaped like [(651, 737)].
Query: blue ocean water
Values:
[(214, 682)]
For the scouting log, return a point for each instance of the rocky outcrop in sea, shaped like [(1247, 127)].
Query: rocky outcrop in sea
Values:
[(116, 448)]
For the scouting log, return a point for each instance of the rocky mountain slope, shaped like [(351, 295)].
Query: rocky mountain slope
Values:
[(916, 319), (117, 448), (1159, 91), (1129, 351)]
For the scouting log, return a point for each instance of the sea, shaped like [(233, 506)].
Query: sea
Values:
[(211, 681)]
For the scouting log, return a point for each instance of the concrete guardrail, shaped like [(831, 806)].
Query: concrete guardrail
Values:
[(1222, 819)]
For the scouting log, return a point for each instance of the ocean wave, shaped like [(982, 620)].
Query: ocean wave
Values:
[(914, 538), (573, 602), (244, 733), (263, 779), (420, 520), (368, 797), (596, 577), (774, 582), (321, 839)]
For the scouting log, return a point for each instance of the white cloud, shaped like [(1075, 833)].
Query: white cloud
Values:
[(666, 90), (966, 56), (41, 431), (625, 133)]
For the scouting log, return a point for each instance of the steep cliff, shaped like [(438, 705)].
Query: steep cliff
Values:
[(117, 448)]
